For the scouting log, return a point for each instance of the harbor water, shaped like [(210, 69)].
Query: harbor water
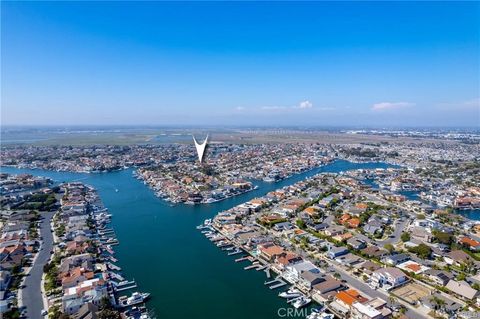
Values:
[(162, 250)]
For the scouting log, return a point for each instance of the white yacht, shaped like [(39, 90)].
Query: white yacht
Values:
[(290, 293), (301, 302), (134, 299)]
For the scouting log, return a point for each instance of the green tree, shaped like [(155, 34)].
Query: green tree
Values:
[(443, 238), (389, 247), (422, 250), (405, 237), (301, 223)]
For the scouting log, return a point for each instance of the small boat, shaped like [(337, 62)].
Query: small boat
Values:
[(301, 302)]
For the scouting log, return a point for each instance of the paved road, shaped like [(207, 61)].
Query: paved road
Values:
[(363, 287), (397, 233), (31, 293)]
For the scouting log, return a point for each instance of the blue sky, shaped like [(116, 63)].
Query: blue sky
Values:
[(231, 63)]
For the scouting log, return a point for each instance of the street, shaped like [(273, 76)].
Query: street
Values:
[(31, 292)]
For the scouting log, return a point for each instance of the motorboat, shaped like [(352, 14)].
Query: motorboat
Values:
[(301, 302), (290, 293), (135, 299)]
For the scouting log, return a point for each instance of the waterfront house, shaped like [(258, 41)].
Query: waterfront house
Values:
[(84, 261), (287, 259), (93, 290), (310, 278), (87, 311), (270, 251), (364, 311), (346, 298), (294, 271), (75, 276), (329, 287)]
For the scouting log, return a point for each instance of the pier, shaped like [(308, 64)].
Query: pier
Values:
[(252, 266), (276, 283), (242, 259), (134, 285)]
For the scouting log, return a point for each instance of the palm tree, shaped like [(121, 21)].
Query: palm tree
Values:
[(438, 303)]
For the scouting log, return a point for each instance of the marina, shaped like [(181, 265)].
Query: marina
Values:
[(142, 221)]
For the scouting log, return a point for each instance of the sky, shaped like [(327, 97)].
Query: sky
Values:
[(231, 63)]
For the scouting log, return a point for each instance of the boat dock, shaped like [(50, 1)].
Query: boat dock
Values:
[(134, 285), (243, 259), (252, 266), (235, 252), (113, 267), (275, 283), (116, 276)]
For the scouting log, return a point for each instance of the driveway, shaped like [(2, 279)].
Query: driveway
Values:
[(31, 293)]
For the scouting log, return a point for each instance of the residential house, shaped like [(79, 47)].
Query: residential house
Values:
[(356, 243), (270, 251), (396, 259), (448, 308), (329, 285), (462, 289), (457, 258), (439, 277), (470, 243), (310, 278), (388, 278), (374, 252), (335, 251)]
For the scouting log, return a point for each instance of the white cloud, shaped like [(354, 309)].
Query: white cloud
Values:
[(391, 105), (240, 108), (305, 105)]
